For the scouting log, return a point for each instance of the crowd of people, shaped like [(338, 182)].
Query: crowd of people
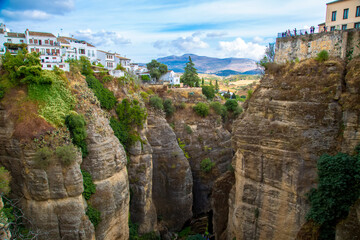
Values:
[(296, 32)]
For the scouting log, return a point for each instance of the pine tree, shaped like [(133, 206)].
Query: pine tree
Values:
[(202, 82), (210, 82), (190, 76), (217, 86)]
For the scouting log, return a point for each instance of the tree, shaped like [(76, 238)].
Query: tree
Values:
[(202, 82), (190, 76), (208, 91), (269, 55), (156, 69), (211, 83), (217, 86)]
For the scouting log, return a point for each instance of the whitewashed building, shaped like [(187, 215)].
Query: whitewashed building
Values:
[(46, 44), (107, 59), (72, 48), (125, 62), (10, 41), (170, 77)]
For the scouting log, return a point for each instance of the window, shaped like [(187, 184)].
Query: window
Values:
[(46, 41), (344, 27), (357, 11), (332, 28), (30, 41), (54, 58), (22, 41), (333, 16), (51, 42), (35, 41), (48, 66), (346, 13), (61, 66), (357, 25), (9, 40), (81, 51)]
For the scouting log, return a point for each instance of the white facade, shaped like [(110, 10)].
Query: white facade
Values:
[(170, 77), (72, 48), (107, 59), (125, 62), (46, 44)]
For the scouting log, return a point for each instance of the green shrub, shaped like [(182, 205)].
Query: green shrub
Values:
[(4, 181), (144, 96), (208, 91), (89, 186), (202, 109), (43, 158), (337, 190), (55, 100), (107, 78), (188, 129), (219, 109), (206, 165), (195, 237), (94, 215), (182, 146), (105, 96), (83, 65), (182, 105), (238, 111), (231, 105), (76, 125), (145, 78), (123, 133), (2, 92), (322, 56), (66, 154), (131, 114), (156, 102), (169, 108), (249, 94)]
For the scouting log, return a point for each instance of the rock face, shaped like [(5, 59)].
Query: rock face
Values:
[(172, 180), (106, 163), (50, 198), (220, 204), (292, 119), (142, 208), (204, 138)]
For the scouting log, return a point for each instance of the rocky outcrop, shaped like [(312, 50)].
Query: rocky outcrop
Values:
[(172, 179), (142, 208), (292, 119), (204, 138), (50, 198), (106, 163), (220, 204)]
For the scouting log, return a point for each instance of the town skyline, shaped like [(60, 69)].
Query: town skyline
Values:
[(146, 30)]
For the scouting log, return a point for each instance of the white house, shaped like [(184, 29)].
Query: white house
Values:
[(107, 59), (170, 77), (46, 44), (125, 62), (10, 41), (72, 48)]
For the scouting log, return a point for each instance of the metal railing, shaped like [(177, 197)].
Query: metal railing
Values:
[(297, 32)]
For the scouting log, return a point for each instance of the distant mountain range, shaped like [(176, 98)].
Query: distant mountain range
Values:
[(209, 65)]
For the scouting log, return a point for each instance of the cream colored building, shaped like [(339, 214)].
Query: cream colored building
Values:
[(342, 15)]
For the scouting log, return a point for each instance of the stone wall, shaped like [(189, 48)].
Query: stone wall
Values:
[(337, 43)]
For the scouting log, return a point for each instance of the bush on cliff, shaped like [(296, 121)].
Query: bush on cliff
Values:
[(202, 109), (206, 165), (156, 102), (169, 108), (105, 96), (322, 56), (208, 91), (76, 125), (337, 190)]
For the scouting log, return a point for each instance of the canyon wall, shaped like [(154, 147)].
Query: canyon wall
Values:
[(293, 117)]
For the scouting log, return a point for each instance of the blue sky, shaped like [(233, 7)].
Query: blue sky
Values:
[(144, 30)]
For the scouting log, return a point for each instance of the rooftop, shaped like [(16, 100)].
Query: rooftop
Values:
[(334, 2), (13, 34), (41, 34)]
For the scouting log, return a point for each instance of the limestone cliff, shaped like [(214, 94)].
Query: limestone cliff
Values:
[(52, 198), (106, 163), (293, 117), (204, 138), (172, 178)]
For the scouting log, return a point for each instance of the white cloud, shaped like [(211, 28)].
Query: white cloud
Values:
[(101, 38), (216, 34), (27, 14), (182, 44), (241, 49)]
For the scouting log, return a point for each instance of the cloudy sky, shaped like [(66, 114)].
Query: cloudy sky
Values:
[(143, 30)]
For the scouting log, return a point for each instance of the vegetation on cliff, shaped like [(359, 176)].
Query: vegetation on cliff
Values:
[(337, 191)]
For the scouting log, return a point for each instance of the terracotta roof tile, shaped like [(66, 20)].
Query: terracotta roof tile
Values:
[(13, 34), (41, 34), (89, 45)]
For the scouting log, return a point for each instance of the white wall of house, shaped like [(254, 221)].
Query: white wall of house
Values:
[(170, 77), (108, 60)]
